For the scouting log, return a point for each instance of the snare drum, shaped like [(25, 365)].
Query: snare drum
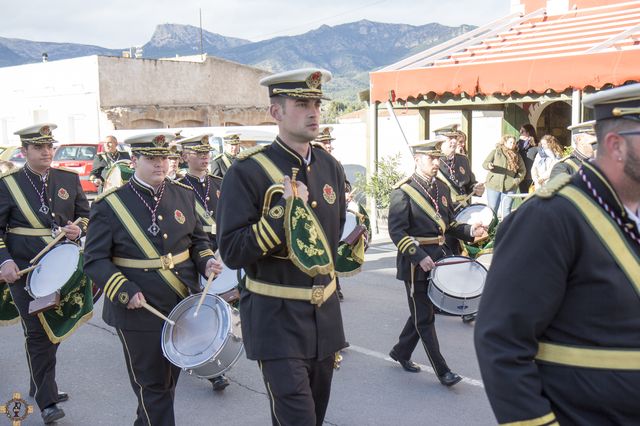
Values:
[(350, 223), (455, 285), (225, 285), (485, 259), (478, 213), (58, 270), (118, 174), (208, 344)]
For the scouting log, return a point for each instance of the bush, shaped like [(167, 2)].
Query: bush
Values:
[(380, 184)]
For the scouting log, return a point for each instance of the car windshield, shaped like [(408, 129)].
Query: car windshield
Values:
[(75, 152)]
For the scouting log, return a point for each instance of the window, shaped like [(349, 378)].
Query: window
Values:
[(76, 152)]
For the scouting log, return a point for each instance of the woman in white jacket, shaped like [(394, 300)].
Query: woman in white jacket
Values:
[(549, 154)]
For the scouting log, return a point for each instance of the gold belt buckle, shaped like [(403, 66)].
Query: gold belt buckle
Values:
[(167, 261), (317, 295)]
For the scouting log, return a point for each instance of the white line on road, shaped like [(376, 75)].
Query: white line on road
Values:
[(374, 354)]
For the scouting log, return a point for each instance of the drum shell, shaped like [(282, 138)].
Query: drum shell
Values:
[(454, 300), (452, 304), (224, 357)]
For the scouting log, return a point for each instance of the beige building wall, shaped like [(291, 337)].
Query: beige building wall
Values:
[(150, 93)]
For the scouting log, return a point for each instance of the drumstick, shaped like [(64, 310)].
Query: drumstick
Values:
[(53, 243), (204, 293), (455, 262), (25, 271), (157, 313)]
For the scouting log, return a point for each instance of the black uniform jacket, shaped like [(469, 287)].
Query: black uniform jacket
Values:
[(458, 173), (208, 200), (275, 328), (104, 160), (63, 196), (180, 230), (219, 164), (568, 165), (553, 280), (407, 219)]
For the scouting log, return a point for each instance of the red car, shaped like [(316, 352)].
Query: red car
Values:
[(78, 157)]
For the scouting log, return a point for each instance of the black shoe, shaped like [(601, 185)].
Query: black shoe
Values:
[(407, 364), (51, 414), (219, 383), (340, 295), (468, 318), (449, 378), (63, 397)]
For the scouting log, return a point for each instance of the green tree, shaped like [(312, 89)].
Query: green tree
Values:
[(380, 184)]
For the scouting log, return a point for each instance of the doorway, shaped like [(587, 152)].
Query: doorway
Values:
[(554, 120)]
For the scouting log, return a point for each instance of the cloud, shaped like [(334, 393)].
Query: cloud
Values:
[(124, 23)]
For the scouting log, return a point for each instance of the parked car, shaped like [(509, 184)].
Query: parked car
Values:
[(12, 153), (78, 157)]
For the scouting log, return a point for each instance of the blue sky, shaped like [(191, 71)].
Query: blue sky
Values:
[(123, 23)]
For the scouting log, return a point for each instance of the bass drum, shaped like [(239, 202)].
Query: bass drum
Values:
[(207, 345), (456, 284)]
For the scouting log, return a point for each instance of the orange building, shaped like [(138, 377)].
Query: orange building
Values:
[(533, 65)]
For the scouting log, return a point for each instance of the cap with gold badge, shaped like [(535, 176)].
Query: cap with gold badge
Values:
[(198, 143), (232, 138), (305, 83), (325, 135), (37, 134), (430, 147), (151, 144), (620, 102)]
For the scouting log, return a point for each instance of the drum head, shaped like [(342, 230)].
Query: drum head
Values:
[(462, 280), (349, 225), (477, 213), (113, 179), (196, 339), (226, 281), (485, 259), (54, 270)]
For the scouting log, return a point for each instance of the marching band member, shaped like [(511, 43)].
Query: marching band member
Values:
[(222, 162), (145, 246), (559, 343), (584, 148), (207, 189), (291, 321), (106, 159), (420, 213), (35, 202)]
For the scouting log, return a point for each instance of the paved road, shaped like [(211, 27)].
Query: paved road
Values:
[(369, 389)]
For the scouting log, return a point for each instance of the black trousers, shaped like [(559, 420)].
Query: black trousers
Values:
[(420, 326), (153, 378), (41, 353), (298, 389)]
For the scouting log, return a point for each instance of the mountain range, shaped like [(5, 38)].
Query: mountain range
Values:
[(350, 51)]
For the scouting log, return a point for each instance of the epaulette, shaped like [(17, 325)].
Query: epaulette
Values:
[(565, 158), (105, 193), (214, 177), (217, 156), (318, 145), (10, 172), (250, 151), (402, 182), (64, 169), (551, 188), (175, 182)]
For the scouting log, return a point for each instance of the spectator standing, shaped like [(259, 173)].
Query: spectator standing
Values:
[(506, 171)]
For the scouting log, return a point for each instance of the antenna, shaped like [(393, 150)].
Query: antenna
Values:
[(201, 45)]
